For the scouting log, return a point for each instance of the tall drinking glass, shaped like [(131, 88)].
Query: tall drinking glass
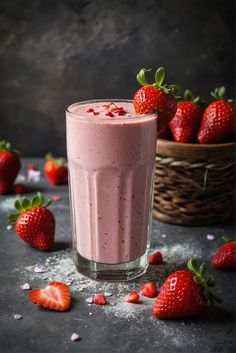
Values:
[(111, 161)]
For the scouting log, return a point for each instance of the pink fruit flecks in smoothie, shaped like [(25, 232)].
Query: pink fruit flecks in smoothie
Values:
[(111, 161)]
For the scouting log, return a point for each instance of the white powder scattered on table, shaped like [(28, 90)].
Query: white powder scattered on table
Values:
[(7, 204), (60, 267)]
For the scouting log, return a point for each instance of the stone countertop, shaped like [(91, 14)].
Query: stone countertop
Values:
[(119, 326)]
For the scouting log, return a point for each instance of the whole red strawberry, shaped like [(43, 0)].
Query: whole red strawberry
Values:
[(218, 124), (225, 257), (184, 293), (35, 224), (55, 170), (9, 166), (156, 98), (186, 122), (165, 134)]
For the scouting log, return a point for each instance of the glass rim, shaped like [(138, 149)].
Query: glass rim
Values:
[(96, 119)]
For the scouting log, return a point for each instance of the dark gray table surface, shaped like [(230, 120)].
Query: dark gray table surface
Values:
[(119, 326)]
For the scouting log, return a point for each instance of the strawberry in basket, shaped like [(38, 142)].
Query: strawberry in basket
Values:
[(156, 98), (186, 122), (218, 124)]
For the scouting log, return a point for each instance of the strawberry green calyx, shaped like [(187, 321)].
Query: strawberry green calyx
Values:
[(6, 147), (219, 94), (189, 97), (59, 162), (199, 277), (227, 240), (174, 90), (23, 204)]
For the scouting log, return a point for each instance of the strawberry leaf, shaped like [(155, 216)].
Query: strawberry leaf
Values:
[(18, 205), (41, 198), (13, 218), (159, 76), (221, 92), (35, 201), (211, 282), (26, 204), (48, 203), (188, 96), (141, 77)]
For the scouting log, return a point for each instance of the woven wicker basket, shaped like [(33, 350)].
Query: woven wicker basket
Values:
[(194, 184)]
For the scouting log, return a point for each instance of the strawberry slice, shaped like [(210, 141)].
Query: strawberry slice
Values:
[(149, 289), (132, 297), (99, 299), (110, 108), (155, 258), (55, 296)]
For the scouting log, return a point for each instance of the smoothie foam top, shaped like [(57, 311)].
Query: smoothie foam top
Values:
[(105, 110)]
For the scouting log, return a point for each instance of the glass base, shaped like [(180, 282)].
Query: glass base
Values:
[(125, 271)]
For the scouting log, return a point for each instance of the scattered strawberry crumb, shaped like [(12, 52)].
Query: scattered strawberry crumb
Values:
[(31, 166), (99, 299), (38, 269), (133, 297), (149, 289), (18, 316), (210, 237), (25, 286), (20, 189), (89, 300), (56, 197), (75, 337), (155, 258)]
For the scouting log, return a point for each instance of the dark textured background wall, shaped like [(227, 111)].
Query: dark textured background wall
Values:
[(55, 52)]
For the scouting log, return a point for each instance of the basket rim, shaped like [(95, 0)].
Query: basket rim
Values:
[(195, 151)]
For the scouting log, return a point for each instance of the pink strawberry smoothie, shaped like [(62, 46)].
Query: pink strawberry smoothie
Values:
[(111, 161)]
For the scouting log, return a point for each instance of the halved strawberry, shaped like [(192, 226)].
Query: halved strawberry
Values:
[(132, 297), (55, 296), (99, 299), (155, 258), (149, 289)]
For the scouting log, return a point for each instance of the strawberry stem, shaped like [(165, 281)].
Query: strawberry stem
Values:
[(141, 77), (227, 240), (6, 147), (159, 76), (23, 204), (57, 161), (189, 97), (174, 90), (219, 94)]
